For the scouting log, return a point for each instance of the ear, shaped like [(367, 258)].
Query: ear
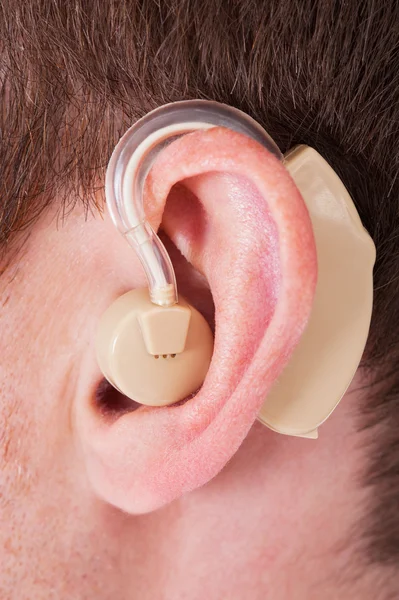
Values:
[(234, 212)]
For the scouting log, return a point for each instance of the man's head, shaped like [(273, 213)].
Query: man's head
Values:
[(283, 511)]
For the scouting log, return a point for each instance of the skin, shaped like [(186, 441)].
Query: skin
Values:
[(275, 522)]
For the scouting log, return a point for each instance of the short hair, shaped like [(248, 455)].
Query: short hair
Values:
[(75, 75)]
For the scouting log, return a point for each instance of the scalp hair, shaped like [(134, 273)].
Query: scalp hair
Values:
[(76, 74)]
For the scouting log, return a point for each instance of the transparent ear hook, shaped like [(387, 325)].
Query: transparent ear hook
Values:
[(131, 162)]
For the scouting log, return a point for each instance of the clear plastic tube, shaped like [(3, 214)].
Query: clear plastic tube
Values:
[(129, 166)]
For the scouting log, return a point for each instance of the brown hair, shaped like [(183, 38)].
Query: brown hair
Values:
[(75, 75)]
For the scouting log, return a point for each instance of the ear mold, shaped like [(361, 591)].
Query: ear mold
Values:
[(154, 355)]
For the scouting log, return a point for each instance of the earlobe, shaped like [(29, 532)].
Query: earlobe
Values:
[(250, 234)]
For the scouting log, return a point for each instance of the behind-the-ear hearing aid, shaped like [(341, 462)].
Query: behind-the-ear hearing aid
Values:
[(156, 349)]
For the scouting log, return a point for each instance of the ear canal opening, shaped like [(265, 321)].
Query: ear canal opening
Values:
[(111, 403)]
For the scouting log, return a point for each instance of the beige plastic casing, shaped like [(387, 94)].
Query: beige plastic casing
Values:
[(152, 354), (328, 355)]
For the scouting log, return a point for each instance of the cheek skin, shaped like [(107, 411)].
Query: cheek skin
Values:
[(273, 524), (49, 520)]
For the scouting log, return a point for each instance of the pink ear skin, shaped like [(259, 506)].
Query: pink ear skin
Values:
[(250, 234)]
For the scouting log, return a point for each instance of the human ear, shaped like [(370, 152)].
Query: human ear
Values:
[(248, 231)]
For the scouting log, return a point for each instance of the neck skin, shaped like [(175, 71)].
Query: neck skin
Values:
[(279, 521)]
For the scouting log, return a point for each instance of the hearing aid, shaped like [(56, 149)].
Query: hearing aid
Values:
[(155, 348)]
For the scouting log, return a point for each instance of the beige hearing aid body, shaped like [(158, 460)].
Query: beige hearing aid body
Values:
[(159, 355), (329, 352)]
